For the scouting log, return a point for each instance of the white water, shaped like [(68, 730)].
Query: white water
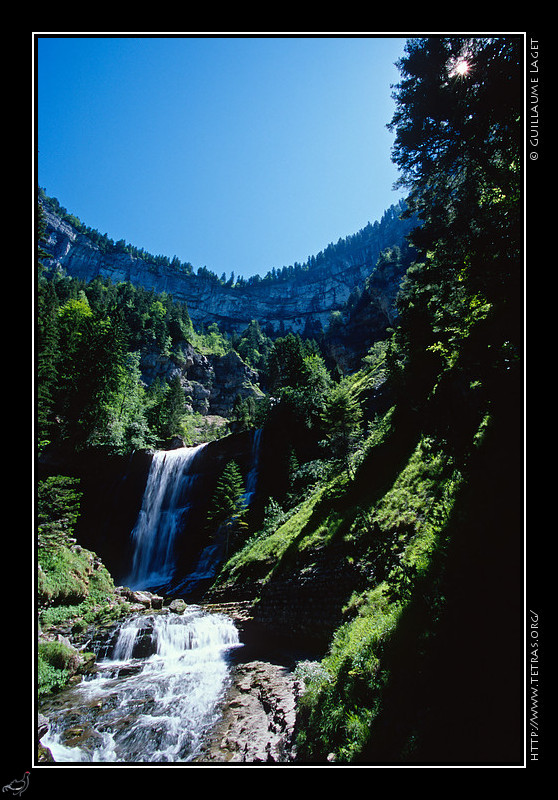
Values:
[(164, 509), (155, 709), (163, 514)]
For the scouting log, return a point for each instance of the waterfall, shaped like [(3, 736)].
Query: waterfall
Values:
[(205, 568), (152, 709), (162, 515), (213, 553), (252, 477)]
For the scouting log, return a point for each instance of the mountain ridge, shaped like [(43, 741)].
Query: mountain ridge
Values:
[(292, 299)]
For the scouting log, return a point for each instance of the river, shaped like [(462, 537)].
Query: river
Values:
[(154, 696)]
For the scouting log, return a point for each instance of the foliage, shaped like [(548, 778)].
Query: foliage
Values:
[(263, 552), (398, 538), (228, 505), (244, 412), (298, 376), (453, 350), (210, 341), (388, 227), (70, 577), (455, 345), (58, 507), (197, 428), (127, 428), (171, 410), (458, 143), (55, 662), (253, 346), (391, 485), (91, 339), (342, 418)]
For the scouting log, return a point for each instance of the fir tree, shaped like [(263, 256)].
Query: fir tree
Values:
[(228, 506)]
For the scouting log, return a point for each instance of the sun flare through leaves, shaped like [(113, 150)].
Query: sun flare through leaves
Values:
[(459, 68)]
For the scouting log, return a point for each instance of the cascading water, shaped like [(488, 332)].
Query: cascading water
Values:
[(162, 515), (155, 709), (213, 553), (252, 477), (159, 685)]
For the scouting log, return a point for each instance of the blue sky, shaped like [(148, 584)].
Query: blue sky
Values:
[(237, 153)]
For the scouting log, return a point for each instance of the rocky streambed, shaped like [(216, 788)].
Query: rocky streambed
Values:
[(258, 718), (239, 699)]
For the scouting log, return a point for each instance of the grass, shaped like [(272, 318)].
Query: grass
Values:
[(261, 553), (401, 534), (74, 588), (398, 533)]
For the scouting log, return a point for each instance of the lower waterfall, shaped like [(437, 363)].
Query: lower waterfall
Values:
[(153, 697)]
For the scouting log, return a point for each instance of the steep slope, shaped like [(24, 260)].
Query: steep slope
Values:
[(388, 575)]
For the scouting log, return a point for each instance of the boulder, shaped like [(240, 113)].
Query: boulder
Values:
[(140, 599), (42, 725), (178, 606)]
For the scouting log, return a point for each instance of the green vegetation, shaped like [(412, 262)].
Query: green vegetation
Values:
[(368, 237), (228, 506), (72, 581), (56, 662), (430, 512), (90, 342), (419, 503), (74, 588)]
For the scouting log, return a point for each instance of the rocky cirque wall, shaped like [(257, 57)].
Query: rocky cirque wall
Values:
[(282, 303)]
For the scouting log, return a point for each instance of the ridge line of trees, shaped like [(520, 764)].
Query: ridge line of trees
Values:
[(375, 234)]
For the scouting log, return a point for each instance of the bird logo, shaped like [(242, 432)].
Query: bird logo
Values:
[(17, 787)]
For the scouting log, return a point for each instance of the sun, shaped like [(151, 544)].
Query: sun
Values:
[(462, 67), (459, 68)]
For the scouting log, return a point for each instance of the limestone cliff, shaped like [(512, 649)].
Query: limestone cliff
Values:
[(211, 383), (297, 300)]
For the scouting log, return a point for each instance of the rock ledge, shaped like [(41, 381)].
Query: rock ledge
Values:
[(259, 716)]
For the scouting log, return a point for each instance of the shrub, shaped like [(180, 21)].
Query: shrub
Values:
[(56, 663)]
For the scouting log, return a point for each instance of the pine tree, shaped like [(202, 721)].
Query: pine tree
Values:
[(228, 507), (458, 145), (47, 359), (173, 409), (342, 417)]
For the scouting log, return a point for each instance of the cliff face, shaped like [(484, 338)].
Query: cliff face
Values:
[(285, 304), (211, 383)]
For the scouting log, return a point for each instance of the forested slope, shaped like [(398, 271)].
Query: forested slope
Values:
[(394, 523)]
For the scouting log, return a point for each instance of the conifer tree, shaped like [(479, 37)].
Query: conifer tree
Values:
[(173, 409), (342, 417), (228, 506), (458, 144)]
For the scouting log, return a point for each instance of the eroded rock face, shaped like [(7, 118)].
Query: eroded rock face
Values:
[(259, 717), (286, 304), (211, 383)]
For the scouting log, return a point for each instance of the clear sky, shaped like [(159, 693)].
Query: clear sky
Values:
[(236, 153)]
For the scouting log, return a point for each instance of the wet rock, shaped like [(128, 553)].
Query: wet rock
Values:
[(178, 606), (258, 719), (141, 599), (44, 755), (42, 726)]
